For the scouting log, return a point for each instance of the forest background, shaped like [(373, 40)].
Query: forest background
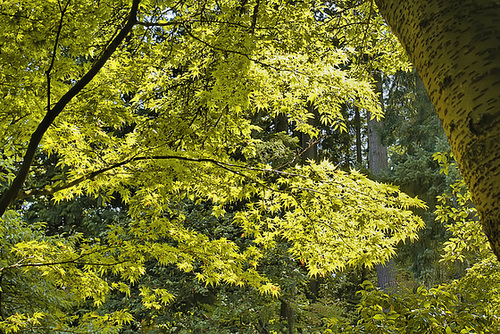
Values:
[(228, 167)]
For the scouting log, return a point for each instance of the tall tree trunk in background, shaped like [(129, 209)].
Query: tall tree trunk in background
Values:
[(288, 313), (281, 123), (377, 162), (287, 309), (377, 151), (454, 46), (357, 127), (311, 151)]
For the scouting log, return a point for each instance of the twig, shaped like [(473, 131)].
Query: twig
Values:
[(54, 51), (240, 53)]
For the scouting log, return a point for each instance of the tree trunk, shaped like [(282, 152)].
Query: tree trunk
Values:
[(454, 46), (357, 126), (310, 150), (377, 151), (281, 123), (288, 314), (377, 161)]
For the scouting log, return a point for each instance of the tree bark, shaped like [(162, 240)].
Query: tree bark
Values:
[(310, 151), (357, 126), (377, 161), (377, 151), (281, 123), (288, 313), (454, 45)]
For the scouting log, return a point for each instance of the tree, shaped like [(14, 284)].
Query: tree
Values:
[(147, 105), (467, 303), (378, 164), (414, 134), (452, 44)]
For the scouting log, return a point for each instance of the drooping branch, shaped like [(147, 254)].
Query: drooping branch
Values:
[(224, 165), (242, 171), (23, 263), (233, 168), (12, 193)]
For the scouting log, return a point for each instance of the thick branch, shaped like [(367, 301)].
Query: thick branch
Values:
[(12, 193)]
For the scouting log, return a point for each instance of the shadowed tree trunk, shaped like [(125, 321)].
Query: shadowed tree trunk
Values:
[(454, 46), (357, 126), (377, 151), (288, 314), (310, 151), (281, 123), (377, 161)]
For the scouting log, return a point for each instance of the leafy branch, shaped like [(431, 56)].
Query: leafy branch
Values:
[(90, 176), (230, 167), (22, 263), (12, 194), (278, 69)]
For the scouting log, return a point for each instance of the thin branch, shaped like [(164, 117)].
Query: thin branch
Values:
[(254, 17), (18, 264), (21, 264), (222, 22), (160, 24), (90, 176), (365, 33), (310, 144), (13, 192), (48, 264), (230, 167), (54, 51), (337, 13), (240, 53)]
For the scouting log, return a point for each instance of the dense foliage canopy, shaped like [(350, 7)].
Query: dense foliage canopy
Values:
[(136, 154)]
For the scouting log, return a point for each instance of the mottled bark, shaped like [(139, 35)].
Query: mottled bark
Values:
[(455, 47)]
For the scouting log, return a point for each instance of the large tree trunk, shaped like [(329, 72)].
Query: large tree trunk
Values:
[(455, 47)]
